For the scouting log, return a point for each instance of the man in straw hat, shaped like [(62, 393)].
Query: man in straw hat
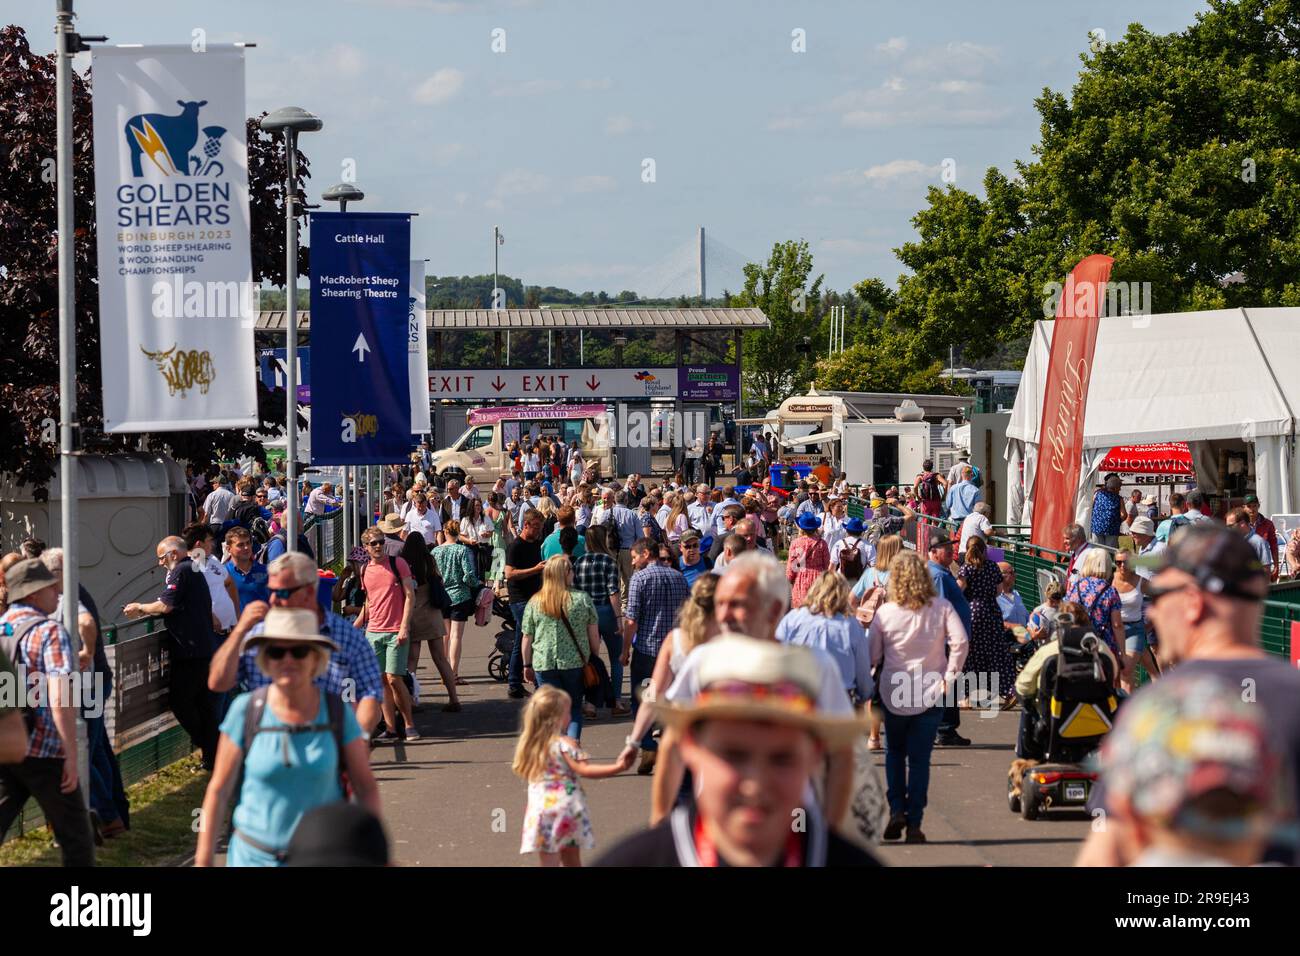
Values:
[(40, 647), (751, 737)]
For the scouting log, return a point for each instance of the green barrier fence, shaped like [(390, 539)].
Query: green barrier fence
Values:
[(1280, 610)]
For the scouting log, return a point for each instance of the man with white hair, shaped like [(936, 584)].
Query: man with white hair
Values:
[(353, 671), (752, 597), (321, 499), (217, 505), (186, 608), (976, 524), (700, 512), (963, 495), (1107, 512)]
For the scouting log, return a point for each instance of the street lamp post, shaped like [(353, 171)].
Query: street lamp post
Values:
[(292, 120), (343, 194), (67, 44)]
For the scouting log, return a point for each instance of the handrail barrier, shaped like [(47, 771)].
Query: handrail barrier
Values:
[(1281, 610)]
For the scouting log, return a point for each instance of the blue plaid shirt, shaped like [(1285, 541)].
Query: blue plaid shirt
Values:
[(654, 596), (354, 662), (1107, 512)]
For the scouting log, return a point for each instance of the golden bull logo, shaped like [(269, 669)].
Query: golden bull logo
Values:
[(183, 370), (359, 425)]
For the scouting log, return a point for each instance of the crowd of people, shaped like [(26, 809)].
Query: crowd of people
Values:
[(752, 635)]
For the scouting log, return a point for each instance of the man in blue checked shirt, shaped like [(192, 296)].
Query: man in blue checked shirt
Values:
[(653, 599), (353, 672), (963, 496)]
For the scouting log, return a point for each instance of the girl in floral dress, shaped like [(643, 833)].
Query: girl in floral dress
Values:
[(557, 825)]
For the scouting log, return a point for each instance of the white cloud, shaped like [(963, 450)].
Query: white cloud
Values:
[(604, 83), (529, 88), (619, 125), (963, 59), (440, 87), (521, 182), (935, 116), (594, 184), (893, 46), (897, 171), (895, 104)]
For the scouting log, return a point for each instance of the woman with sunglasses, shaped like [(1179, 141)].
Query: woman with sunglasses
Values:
[(277, 756), (1132, 607)]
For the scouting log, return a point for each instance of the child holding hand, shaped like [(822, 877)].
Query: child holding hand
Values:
[(557, 824)]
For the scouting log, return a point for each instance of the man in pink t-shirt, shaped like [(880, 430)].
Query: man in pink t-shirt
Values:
[(386, 617)]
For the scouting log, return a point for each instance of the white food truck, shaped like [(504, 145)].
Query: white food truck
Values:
[(872, 451)]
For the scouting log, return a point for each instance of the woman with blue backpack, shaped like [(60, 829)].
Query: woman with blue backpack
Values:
[(284, 749)]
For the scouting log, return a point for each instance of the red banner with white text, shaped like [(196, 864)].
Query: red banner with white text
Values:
[(1065, 399)]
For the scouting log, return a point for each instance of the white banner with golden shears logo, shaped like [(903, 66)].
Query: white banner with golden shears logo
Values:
[(176, 297)]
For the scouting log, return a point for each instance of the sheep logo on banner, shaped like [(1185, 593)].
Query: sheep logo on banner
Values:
[(167, 141)]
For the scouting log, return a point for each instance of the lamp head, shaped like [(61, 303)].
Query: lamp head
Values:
[(291, 118)]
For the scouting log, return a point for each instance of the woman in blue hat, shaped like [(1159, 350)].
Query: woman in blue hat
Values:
[(809, 558)]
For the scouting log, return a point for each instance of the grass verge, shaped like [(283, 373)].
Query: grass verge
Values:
[(161, 834)]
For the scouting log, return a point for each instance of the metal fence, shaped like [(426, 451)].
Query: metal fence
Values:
[(325, 534), (1280, 610)]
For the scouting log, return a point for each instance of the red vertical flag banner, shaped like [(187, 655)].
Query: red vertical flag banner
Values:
[(1065, 399)]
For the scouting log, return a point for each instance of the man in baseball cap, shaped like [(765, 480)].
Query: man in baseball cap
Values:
[(751, 737), (1206, 599), (1191, 775)]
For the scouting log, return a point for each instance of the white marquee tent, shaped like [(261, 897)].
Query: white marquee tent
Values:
[(1217, 380)]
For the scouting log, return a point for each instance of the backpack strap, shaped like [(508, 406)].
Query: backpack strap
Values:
[(11, 642)]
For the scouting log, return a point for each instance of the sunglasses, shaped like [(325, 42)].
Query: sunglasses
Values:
[(297, 652), (374, 544), (285, 593)]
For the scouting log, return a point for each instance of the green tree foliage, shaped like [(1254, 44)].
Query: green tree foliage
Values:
[(29, 321), (1175, 154), (775, 364), (880, 364)]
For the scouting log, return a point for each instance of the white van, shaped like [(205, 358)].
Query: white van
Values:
[(482, 450)]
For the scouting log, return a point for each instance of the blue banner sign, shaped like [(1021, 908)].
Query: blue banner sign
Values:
[(272, 363), (360, 277)]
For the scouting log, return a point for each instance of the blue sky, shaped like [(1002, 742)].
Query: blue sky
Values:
[(754, 141)]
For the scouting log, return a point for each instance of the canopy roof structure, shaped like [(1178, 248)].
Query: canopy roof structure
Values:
[(1196, 377), (1184, 376), (523, 319)]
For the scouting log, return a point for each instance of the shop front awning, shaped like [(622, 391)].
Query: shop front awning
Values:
[(1163, 458)]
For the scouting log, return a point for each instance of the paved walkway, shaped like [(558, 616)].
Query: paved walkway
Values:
[(451, 800)]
